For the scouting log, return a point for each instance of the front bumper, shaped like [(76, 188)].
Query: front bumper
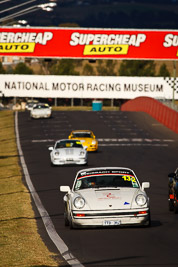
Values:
[(92, 148), (111, 218), (70, 161), (34, 116)]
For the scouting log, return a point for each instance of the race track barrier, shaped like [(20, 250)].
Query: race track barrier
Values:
[(156, 109)]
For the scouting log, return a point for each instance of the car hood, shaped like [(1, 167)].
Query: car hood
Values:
[(109, 198), (69, 151)]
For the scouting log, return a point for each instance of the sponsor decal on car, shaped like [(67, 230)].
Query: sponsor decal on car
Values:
[(105, 195)]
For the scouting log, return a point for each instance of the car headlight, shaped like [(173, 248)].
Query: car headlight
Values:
[(56, 153), (141, 200), (93, 142), (79, 202), (82, 153)]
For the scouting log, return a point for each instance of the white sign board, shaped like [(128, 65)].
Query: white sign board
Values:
[(101, 87)]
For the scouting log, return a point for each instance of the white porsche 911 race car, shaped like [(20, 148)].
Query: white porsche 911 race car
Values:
[(67, 151), (106, 196), (40, 110)]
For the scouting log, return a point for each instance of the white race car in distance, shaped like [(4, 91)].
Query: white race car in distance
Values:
[(67, 151), (40, 110), (30, 103), (106, 196)]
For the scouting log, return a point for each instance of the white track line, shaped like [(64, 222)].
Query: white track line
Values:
[(122, 141), (61, 246), (152, 145)]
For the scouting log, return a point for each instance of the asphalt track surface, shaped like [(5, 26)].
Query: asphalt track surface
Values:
[(126, 139)]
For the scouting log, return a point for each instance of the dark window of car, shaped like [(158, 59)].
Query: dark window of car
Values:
[(84, 135), (69, 144), (110, 180), (40, 106)]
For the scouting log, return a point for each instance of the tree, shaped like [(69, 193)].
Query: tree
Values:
[(106, 68), (2, 70), (22, 68), (163, 71), (88, 70), (9, 69), (63, 67), (137, 68)]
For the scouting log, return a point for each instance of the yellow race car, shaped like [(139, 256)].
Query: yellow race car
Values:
[(86, 137)]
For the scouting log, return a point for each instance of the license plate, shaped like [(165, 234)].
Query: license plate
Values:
[(110, 223), (69, 159)]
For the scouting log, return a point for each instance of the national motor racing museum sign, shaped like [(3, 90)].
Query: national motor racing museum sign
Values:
[(89, 43), (93, 87)]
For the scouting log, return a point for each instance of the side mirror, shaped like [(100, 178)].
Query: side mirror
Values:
[(145, 185), (69, 136), (85, 147), (50, 148), (65, 188)]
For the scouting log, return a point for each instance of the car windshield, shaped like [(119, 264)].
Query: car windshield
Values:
[(111, 179), (40, 106), (68, 144), (82, 134)]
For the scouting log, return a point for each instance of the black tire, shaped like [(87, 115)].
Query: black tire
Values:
[(171, 205), (66, 221), (175, 205), (148, 222), (71, 224)]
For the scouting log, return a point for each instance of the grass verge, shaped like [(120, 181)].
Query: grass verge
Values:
[(20, 243)]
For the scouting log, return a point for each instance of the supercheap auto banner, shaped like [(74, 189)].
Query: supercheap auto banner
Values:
[(89, 43), (101, 87)]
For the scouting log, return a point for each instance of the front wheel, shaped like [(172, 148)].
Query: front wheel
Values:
[(71, 224), (148, 222), (66, 221), (175, 205), (171, 205)]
